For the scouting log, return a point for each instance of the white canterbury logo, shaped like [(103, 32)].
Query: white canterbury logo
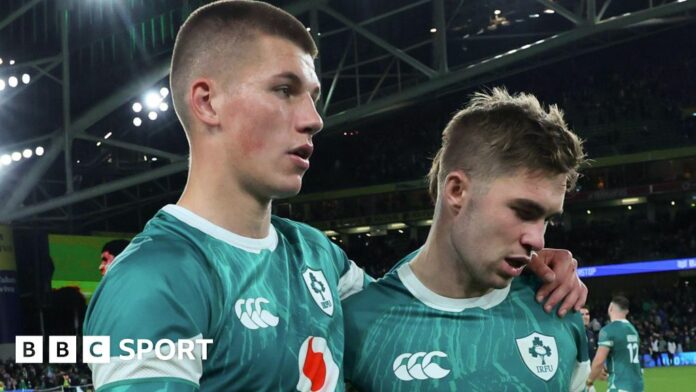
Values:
[(252, 316), (419, 369)]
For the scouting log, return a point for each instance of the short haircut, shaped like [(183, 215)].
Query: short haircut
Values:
[(497, 133), (115, 247), (222, 31), (621, 302)]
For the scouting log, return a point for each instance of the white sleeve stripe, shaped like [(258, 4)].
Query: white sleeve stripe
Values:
[(580, 374), (352, 281), (149, 367)]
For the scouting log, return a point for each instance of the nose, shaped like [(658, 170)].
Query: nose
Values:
[(533, 237), (309, 120)]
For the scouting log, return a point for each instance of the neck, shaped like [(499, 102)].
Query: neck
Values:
[(222, 201), (437, 266), (617, 317)]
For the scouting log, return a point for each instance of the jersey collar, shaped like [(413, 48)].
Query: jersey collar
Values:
[(253, 245), (437, 301)]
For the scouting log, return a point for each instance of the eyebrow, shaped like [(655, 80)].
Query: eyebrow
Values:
[(294, 79), (536, 208)]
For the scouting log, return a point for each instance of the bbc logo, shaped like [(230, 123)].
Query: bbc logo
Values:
[(97, 349), (62, 349)]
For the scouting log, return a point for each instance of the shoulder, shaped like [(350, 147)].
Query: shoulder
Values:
[(375, 299), (153, 254), (298, 230)]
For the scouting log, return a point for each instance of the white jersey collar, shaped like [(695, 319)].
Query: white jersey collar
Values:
[(437, 301), (253, 245)]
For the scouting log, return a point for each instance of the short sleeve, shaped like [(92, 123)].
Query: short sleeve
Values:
[(605, 339), (353, 278), (155, 290)]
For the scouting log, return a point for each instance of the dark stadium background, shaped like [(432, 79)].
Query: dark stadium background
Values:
[(392, 73)]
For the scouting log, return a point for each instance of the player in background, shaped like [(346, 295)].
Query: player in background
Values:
[(217, 265), (454, 315), (109, 252), (618, 345), (591, 339)]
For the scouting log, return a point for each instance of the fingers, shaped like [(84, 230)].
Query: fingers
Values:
[(582, 299), (562, 291), (539, 268)]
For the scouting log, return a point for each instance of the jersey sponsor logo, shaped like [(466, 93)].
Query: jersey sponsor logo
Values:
[(318, 371), (251, 315), (420, 366), (540, 354), (319, 288)]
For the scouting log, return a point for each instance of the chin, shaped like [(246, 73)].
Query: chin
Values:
[(288, 190)]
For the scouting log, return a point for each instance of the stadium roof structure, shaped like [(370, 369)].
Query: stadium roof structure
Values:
[(90, 61)]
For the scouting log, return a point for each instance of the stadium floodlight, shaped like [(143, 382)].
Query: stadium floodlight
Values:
[(6, 159), (164, 92), (2, 87), (39, 151), (137, 121), (27, 153), (163, 107), (12, 81), (152, 100), (26, 78), (16, 156), (137, 107)]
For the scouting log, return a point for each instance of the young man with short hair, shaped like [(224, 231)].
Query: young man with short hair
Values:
[(217, 265), (618, 346), (454, 315), (109, 252)]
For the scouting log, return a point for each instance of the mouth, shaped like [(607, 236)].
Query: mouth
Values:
[(514, 265), (304, 151)]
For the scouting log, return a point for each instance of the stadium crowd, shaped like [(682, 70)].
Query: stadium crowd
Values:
[(665, 318), (617, 109), (14, 376)]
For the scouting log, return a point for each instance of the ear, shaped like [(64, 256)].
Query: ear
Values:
[(201, 101), (456, 190)]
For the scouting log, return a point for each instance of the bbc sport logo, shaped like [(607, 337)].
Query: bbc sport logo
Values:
[(97, 349)]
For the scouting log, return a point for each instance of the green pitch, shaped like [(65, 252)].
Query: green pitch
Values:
[(674, 379)]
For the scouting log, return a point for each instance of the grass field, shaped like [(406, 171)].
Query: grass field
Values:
[(674, 379)]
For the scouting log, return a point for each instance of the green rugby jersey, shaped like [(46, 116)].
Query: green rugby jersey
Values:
[(401, 336), (623, 362), (271, 307)]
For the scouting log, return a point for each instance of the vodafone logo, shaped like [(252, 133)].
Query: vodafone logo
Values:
[(420, 366), (318, 371)]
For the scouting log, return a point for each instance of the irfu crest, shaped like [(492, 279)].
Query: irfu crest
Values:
[(319, 288), (540, 354)]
